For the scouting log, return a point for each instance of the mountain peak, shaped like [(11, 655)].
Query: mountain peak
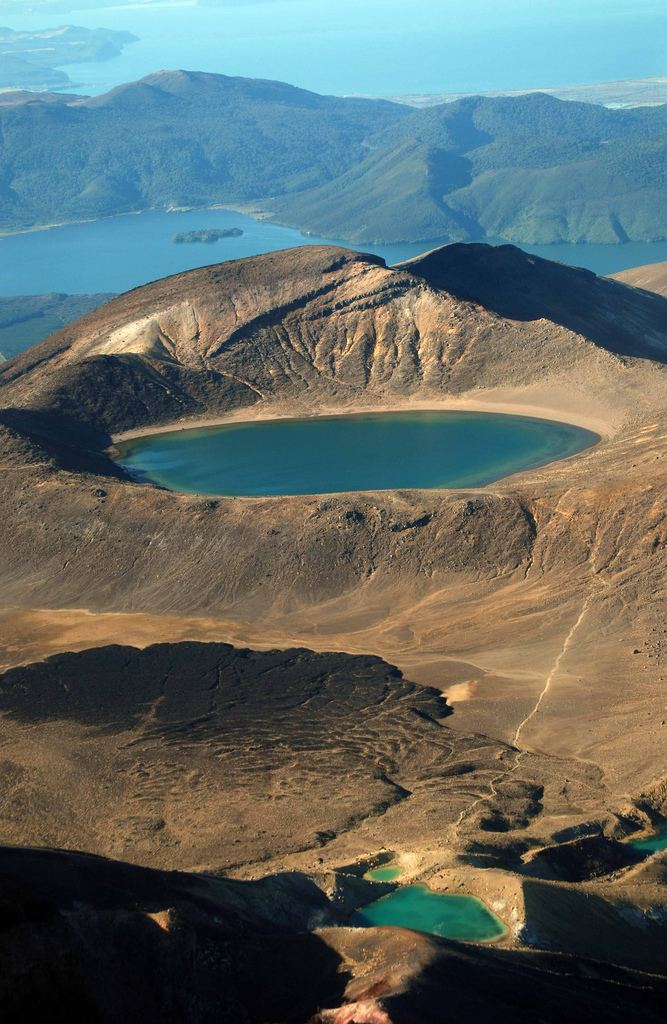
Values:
[(520, 286)]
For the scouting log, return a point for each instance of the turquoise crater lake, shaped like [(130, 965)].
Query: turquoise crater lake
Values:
[(455, 916), (333, 454), (652, 843)]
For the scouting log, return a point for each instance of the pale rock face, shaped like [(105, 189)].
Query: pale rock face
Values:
[(319, 326), (652, 278)]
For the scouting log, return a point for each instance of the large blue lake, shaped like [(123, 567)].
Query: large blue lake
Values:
[(118, 253), (379, 47), (332, 454), (383, 47)]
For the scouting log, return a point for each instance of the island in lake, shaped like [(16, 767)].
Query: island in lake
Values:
[(208, 235)]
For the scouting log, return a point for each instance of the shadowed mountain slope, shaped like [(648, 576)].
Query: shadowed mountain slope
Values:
[(101, 940), (519, 286)]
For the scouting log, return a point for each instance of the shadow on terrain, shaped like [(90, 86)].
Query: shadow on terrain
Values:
[(519, 286), (582, 859), (583, 924), (85, 938), (44, 435), (206, 686), (402, 977)]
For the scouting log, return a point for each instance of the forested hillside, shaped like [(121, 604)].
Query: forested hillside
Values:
[(531, 169)]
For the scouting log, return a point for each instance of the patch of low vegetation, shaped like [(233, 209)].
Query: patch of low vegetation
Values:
[(176, 139)]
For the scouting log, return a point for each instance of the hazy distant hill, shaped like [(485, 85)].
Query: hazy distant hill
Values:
[(533, 169), (176, 138), (16, 73), (32, 59)]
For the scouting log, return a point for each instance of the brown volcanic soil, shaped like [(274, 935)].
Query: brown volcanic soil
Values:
[(652, 277), (202, 754), (536, 603), (543, 584)]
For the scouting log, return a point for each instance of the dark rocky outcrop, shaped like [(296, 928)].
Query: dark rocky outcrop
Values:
[(581, 859)]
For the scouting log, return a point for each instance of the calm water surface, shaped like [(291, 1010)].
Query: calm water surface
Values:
[(350, 453), (383, 47), (651, 844), (384, 874), (118, 253), (453, 917)]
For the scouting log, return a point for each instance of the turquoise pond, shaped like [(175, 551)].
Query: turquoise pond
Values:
[(383, 874), (335, 454), (651, 844), (450, 916)]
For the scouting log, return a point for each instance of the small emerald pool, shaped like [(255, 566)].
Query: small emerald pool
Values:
[(451, 916), (383, 874), (651, 844), (331, 454)]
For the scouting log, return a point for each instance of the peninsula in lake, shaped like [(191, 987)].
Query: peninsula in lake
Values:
[(34, 59)]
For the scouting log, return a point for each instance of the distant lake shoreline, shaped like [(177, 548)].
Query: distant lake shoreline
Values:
[(115, 254), (425, 244)]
